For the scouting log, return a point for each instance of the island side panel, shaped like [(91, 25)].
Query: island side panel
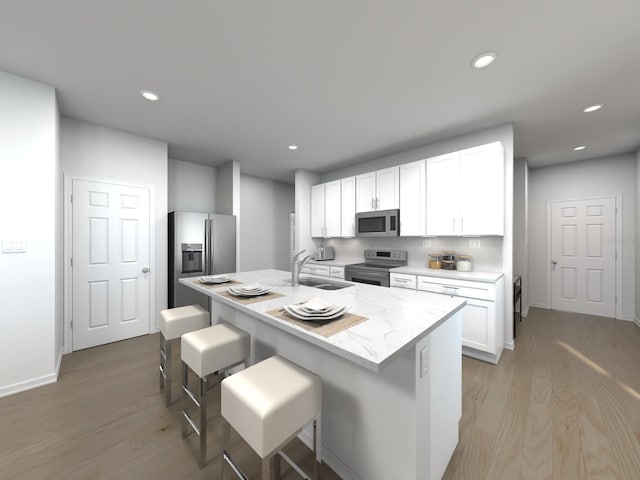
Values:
[(369, 420)]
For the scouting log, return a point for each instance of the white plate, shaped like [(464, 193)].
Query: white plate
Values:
[(252, 292), (214, 279), (313, 318), (305, 313)]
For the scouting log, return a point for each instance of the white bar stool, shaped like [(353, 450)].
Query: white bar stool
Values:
[(174, 323), (268, 404), (207, 352)]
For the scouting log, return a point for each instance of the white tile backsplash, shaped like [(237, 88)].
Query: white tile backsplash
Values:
[(486, 258)]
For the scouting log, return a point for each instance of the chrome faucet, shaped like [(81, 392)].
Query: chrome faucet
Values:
[(296, 266)]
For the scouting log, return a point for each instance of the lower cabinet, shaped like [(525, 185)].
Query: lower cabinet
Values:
[(482, 317), (323, 270)]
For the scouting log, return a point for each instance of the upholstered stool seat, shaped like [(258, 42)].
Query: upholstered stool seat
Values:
[(207, 352), (268, 404), (174, 323)]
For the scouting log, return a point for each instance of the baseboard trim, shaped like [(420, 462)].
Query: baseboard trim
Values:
[(636, 321), (28, 385), (510, 345), (538, 305), (525, 312)]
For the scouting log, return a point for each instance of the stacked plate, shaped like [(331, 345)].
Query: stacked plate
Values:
[(316, 310), (253, 290), (214, 279)]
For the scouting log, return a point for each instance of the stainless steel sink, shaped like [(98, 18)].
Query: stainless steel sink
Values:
[(322, 283)]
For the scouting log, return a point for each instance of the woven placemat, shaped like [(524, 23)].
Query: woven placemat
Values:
[(327, 329), (248, 300), (219, 285)]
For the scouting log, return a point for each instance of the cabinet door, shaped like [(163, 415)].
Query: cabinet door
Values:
[(412, 199), (365, 192), (348, 203), (443, 211), (478, 320), (317, 211), (332, 209), (482, 190), (387, 186)]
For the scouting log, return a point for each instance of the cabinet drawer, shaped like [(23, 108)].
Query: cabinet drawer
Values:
[(458, 288), (337, 272), (402, 280), (322, 270)]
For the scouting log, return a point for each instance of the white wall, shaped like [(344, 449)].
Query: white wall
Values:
[(637, 237), (28, 211), (600, 177), (92, 151), (192, 187), (264, 223)]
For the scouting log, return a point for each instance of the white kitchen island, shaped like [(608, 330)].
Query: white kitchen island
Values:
[(391, 385)]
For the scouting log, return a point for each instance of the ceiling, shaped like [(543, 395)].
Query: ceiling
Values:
[(346, 80)]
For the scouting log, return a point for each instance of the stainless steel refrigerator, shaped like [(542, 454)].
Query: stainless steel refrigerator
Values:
[(199, 244)]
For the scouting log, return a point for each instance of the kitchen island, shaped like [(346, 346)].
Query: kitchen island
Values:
[(391, 398)]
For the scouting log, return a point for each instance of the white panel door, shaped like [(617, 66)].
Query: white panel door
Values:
[(366, 192), (332, 209), (583, 249), (110, 252), (412, 199), (477, 321), (348, 207), (317, 210), (387, 186)]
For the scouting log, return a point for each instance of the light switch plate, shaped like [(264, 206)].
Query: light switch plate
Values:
[(426, 242), (14, 246)]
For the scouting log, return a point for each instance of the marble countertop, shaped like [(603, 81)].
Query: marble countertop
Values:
[(335, 263), (486, 277), (397, 318)]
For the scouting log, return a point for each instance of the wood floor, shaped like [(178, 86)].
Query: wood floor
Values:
[(564, 405)]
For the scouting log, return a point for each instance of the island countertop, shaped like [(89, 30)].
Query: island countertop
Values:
[(397, 318)]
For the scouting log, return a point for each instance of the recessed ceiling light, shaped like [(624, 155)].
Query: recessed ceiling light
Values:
[(593, 108), (581, 147), (483, 60), (292, 147), (149, 95)]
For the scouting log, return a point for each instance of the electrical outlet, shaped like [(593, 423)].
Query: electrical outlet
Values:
[(14, 246), (474, 243), (424, 361), (426, 242)]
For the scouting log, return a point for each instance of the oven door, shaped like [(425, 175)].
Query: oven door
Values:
[(371, 277)]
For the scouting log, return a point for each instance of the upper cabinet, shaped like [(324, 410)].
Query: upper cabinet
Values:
[(326, 210), (465, 192), (378, 190), (412, 199), (348, 210)]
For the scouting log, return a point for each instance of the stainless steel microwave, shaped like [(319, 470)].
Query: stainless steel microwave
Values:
[(381, 223)]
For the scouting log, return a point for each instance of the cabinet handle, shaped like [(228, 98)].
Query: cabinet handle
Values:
[(377, 203), (401, 280), (454, 225), (372, 203), (447, 287), (461, 225)]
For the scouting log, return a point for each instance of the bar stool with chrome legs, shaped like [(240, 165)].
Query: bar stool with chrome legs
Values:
[(174, 323), (208, 353), (268, 404)]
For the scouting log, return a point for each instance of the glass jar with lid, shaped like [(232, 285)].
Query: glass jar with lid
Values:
[(435, 260), (464, 263)]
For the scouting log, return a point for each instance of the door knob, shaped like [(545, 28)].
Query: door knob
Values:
[(554, 262), (145, 270)]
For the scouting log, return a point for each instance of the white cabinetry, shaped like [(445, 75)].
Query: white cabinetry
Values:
[(325, 210), (378, 190), (482, 317), (412, 199), (348, 200), (333, 271), (465, 192)]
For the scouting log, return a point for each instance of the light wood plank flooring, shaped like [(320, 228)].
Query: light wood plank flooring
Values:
[(564, 405)]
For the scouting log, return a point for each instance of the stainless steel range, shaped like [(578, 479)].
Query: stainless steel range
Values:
[(376, 266)]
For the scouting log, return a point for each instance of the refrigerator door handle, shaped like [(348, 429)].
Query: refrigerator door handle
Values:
[(207, 252), (211, 246)]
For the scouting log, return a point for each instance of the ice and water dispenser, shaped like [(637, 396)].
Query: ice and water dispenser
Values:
[(192, 258)]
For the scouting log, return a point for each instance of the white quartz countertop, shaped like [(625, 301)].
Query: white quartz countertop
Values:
[(486, 277), (335, 263), (397, 318)]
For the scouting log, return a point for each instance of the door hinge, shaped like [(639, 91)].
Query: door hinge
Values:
[(72, 198), (71, 324), (616, 299), (72, 261)]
